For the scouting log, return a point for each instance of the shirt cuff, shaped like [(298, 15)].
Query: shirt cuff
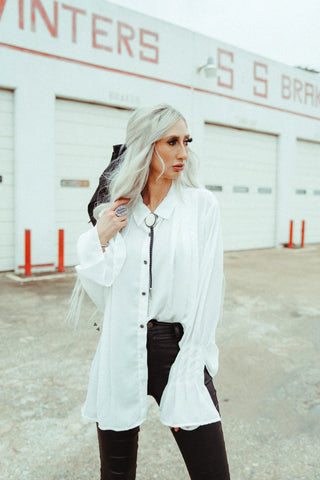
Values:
[(89, 248), (186, 401), (96, 265)]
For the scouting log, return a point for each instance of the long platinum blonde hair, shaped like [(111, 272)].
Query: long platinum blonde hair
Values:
[(147, 125)]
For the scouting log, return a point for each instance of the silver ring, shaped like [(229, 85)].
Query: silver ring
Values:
[(122, 210)]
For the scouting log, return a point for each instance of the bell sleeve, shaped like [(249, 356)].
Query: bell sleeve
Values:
[(186, 402), (97, 269)]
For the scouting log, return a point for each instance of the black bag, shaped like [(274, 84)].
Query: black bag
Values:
[(101, 195)]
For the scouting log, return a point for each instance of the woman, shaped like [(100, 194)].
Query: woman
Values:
[(157, 275)]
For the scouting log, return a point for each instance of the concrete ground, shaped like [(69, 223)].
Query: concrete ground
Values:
[(268, 384)]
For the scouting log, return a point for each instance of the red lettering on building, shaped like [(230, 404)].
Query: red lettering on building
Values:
[(264, 81), (21, 14), (74, 11), (317, 97), (285, 87), (300, 91), (96, 32), (125, 36), (308, 93), (36, 5), (2, 5), (225, 68), (148, 45), (297, 87), (122, 38)]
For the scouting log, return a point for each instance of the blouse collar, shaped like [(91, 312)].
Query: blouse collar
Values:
[(164, 209)]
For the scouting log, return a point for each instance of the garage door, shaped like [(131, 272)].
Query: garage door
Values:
[(6, 181), (307, 191), (240, 167), (85, 134)]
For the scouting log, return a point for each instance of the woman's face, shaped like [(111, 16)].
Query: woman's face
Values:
[(173, 149)]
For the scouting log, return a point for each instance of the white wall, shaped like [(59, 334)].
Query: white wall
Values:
[(40, 67)]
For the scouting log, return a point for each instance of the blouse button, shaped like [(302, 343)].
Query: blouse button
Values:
[(143, 293), (141, 326), (145, 262)]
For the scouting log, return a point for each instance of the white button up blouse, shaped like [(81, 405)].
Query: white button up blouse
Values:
[(187, 287)]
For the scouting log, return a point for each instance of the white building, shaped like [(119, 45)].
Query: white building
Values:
[(72, 70)]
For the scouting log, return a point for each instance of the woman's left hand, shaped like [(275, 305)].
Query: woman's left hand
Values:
[(176, 428)]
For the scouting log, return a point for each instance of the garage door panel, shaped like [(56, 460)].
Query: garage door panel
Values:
[(85, 135), (6, 105), (6, 235), (83, 172), (237, 159), (73, 216), (6, 122), (70, 245), (239, 173), (78, 112), (6, 214), (243, 163), (87, 170), (89, 120), (6, 186), (6, 101), (79, 175), (71, 202), (88, 167), (6, 200), (85, 152), (307, 177), (6, 164), (6, 252), (73, 157), (64, 106), (6, 263), (7, 177)]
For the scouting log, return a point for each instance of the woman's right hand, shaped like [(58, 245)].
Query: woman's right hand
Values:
[(109, 223)]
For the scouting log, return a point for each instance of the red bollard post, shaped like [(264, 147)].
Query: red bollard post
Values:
[(290, 245), (27, 253), (61, 252), (302, 233)]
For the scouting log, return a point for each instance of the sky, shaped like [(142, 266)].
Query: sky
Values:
[(284, 30)]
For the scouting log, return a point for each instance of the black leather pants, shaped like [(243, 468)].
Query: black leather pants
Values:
[(203, 449)]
